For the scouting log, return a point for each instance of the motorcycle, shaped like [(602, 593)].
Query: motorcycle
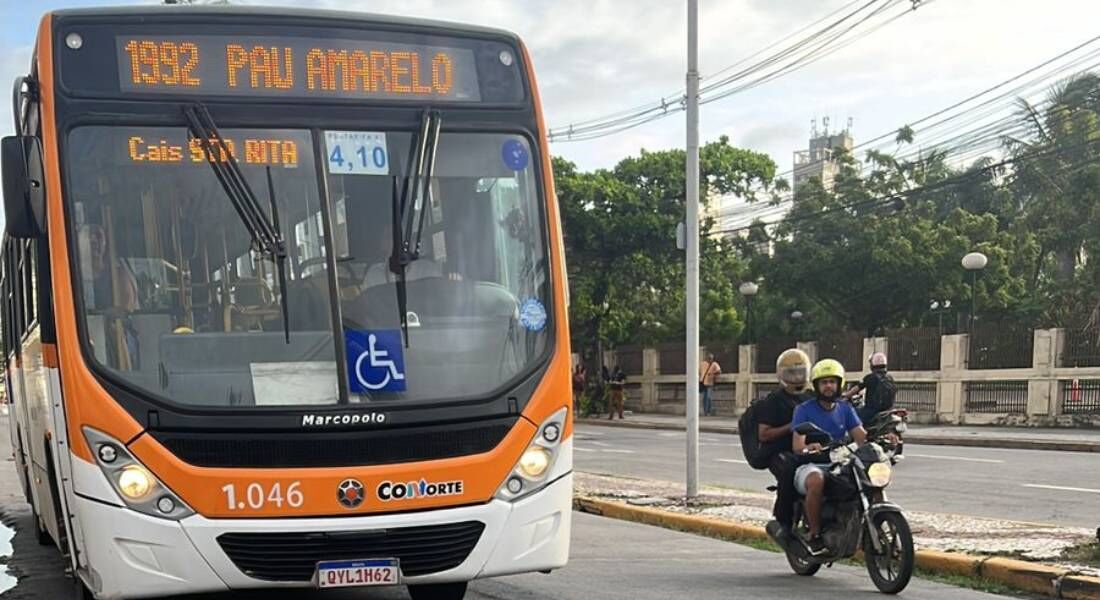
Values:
[(856, 513)]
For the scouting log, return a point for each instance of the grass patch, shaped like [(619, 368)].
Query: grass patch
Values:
[(1085, 554)]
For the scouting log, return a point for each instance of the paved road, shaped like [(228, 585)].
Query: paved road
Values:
[(1060, 488), (611, 560)]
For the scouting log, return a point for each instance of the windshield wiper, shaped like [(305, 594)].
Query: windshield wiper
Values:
[(267, 239), (409, 208)]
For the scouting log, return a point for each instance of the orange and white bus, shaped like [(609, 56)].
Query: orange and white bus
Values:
[(284, 303)]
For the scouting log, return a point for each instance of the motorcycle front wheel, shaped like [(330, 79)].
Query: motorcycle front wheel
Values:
[(891, 569)]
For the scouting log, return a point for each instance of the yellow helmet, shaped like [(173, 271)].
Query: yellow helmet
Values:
[(792, 367), (828, 368)]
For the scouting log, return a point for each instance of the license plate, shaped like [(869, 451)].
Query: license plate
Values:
[(358, 573)]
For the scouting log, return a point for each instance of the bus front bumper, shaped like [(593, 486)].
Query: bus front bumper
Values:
[(134, 556)]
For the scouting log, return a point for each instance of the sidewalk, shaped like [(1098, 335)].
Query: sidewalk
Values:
[(1019, 438)]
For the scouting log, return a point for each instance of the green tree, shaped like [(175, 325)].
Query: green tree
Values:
[(626, 274), (860, 263)]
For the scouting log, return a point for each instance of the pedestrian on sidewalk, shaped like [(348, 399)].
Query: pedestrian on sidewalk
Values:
[(580, 379), (616, 387), (708, 371)]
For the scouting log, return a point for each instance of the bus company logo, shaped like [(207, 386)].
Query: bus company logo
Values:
[(344, 419), (350, 493), (388, 490)]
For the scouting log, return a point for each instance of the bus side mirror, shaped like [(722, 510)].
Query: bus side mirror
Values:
[(24, 186)]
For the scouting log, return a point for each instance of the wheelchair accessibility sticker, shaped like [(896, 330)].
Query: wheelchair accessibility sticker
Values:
[(375, 361)]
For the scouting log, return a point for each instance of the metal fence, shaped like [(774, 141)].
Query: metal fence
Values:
[(629, 359), (996, 397), (916, 396), (1082, 348), (1001, 346), (1081, 397), (769, 349), (915, 349), (726, 355), (761, 390), (672, 359), (845, 346)]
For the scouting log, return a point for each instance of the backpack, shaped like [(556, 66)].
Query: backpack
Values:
[(748, 429), (887, 393)]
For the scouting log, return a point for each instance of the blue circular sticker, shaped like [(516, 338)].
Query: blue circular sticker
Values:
[(515, 155), (532, 315)]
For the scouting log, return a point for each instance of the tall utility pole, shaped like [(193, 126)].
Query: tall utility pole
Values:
[(692, 206)]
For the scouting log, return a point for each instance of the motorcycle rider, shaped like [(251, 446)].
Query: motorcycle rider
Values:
[(880, 386), (835, 418), (774, 415)]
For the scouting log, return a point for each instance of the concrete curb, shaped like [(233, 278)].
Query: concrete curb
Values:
[(1038, 578), (910, 438)]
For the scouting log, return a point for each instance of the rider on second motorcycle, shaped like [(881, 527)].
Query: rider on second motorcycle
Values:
[(836, 418)]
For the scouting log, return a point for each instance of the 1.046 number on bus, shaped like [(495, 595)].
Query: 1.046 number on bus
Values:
[(255, 497)]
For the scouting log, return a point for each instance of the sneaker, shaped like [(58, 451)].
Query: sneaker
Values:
[(816, 546)]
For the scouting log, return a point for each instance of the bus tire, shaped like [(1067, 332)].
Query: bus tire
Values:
[(438, 591), (40, 533), (81, 591)]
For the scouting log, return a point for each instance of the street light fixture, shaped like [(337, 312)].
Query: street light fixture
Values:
[(749, 289), (974, 262), (796, 316)]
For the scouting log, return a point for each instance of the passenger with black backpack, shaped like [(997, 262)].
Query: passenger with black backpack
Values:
[(765, 429), (881, 390)]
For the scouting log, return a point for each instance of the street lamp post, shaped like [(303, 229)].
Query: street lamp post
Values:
[(939, 308), (749, 289), (796, 318), (974, 262)]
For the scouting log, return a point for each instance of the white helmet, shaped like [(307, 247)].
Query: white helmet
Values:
[(877, 360)]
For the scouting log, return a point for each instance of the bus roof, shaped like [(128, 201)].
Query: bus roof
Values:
[(280, 15)]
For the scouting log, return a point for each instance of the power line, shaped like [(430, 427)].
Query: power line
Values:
[(804, 52), (889, 199), (975, 141)]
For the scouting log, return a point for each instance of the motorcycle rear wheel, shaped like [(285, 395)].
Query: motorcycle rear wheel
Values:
[(891, 570), (800, 565)]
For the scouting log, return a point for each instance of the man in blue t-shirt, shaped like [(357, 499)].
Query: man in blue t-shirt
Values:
[(835, 418)]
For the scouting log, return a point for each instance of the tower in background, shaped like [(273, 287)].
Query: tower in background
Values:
[(818, 160)]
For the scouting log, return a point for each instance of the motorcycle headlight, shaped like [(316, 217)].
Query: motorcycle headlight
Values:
[(136, 486), (534, 465), (901, 427), (879, 474)]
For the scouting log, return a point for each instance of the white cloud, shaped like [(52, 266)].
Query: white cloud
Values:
[(599, 56)]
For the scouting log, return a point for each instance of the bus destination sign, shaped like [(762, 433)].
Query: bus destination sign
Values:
[(296, 67)]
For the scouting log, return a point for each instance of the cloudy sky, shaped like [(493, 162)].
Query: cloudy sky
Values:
[(594, 57)]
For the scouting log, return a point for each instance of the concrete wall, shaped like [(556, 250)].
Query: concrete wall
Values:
[(657, 392)]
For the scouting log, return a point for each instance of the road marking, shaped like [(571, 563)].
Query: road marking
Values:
[(614, 451), (669, 434), (732, 460), (1060, 488), (963, 458), (579, 449)]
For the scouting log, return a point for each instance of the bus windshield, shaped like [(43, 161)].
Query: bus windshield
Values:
[(177, 303)]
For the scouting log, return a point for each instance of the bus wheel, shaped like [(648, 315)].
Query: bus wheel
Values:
[(438, 591), (81, 591), (40, 533)]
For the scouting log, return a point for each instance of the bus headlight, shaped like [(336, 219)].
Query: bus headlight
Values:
[(535, 461), (136, 486), (879, 474), (135, 482), (531, 470)]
